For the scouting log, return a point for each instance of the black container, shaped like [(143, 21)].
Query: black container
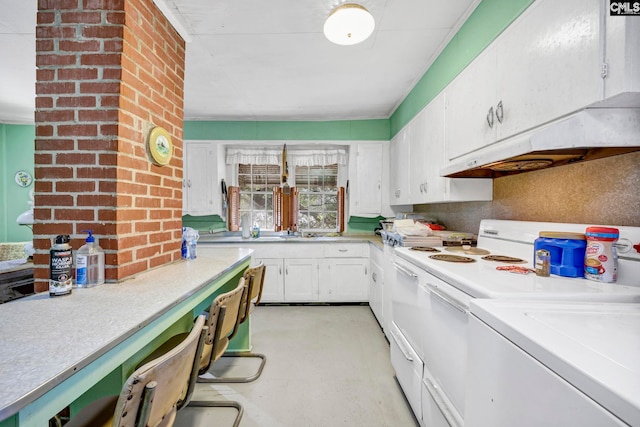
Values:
[(61, 267)]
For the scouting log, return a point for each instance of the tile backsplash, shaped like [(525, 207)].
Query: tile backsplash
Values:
[(604, 191)]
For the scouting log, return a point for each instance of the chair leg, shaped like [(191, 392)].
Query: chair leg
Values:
[(248, 379), (219, 404)]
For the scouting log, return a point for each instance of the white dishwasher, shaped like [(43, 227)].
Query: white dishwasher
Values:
[(553, 364)]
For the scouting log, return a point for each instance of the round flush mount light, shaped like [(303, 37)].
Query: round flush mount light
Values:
[(349, 24)]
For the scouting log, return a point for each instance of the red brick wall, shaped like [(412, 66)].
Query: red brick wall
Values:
[(108, 71)]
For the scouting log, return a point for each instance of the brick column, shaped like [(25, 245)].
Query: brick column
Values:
[(108, 72)]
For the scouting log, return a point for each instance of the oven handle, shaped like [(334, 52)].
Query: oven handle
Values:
[(405, 271), (401, 347), (448, 299), (434, 391)]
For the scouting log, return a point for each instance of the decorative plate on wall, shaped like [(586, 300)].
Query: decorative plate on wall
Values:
[(160, 146), (23, 178)]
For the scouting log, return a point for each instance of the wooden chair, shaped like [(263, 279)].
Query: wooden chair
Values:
[(152, 395), (254, 278)]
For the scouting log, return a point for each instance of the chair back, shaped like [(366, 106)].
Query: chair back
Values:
[(151, 395), (254, 277), (223, 321)]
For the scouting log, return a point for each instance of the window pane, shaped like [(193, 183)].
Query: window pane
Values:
[(245, 201), (331, 203)]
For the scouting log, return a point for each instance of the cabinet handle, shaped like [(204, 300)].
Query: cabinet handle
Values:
[(189, 183), (343, 250), (490, 117), (436, 395), (365, 270), (374, 276), (499, 112), (280, 271), (184, 183), (286, 271), (403, 350)]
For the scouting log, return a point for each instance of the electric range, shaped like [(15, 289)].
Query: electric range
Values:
[(432, 300)]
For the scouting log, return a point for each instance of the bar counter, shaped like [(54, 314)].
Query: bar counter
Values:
[(68, 350)]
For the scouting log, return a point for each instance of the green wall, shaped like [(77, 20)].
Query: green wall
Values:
[(346, 130), (16, 153)]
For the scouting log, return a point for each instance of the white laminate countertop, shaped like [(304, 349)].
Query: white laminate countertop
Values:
[(44, 340), (271, 238)]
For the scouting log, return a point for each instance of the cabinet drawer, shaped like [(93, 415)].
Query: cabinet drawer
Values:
[(345, 250)]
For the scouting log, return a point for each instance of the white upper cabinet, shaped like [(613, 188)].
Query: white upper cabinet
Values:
[(428, 156), (399, 155), (200, 192), (546, 65), (470, 110), (622, 85), (365, 183)]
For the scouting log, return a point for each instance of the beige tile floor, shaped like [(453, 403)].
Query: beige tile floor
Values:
[(327, 366)]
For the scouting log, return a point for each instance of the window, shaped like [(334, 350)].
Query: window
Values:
[(256, 184), (318, 197)]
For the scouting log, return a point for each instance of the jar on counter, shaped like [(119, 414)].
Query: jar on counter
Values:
[(601, 258)]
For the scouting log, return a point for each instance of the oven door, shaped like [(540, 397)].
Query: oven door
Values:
[(408, 367), (445, 321), (407, 302)]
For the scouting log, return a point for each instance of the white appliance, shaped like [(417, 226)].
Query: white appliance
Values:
[(444, 291), (554, 364)]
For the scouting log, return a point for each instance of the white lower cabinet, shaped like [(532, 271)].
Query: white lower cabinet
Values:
[(376, 283), (314, 272), (408, 367), (301, 280), (344, 279), (273, 289)]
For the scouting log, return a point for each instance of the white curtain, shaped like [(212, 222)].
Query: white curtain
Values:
[(273, 156), (254, 156)]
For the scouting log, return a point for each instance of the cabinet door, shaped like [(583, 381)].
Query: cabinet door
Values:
[(200, 193), (399, 159), (367, 180), (548, 64), (376, 282), (273, 289), (344, 279), (470, 112), (427, 153), (300, 280)]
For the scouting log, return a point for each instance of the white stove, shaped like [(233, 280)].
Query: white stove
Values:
[(480, 279), (432, 300)]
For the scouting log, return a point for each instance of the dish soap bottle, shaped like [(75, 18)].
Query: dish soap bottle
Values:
[(89, 263)]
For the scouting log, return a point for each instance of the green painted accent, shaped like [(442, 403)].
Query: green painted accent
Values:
[(204, 223), (125, 355), (347, 130), (486, 22), (17, 149), (10, 422), (358, 224)]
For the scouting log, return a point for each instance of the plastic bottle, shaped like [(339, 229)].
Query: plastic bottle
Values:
[(60, 266), (89, 263), (190, 238)]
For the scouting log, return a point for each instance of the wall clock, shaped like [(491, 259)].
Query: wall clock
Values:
[(23, 178), (160, 146)]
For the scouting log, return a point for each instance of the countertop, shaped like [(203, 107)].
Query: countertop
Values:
[(46, 340), (284, 239)]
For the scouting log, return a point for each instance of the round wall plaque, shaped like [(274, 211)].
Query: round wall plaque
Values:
[(160, 146)]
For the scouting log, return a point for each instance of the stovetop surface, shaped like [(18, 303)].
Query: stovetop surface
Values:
[(480, 279)]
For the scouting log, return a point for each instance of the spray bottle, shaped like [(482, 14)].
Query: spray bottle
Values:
[(89, 263), (60, 266)]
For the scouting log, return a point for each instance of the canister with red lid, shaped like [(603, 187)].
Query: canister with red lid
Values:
[(601, 258)]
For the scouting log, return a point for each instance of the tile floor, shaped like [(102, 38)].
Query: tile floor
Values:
[(326, 366)]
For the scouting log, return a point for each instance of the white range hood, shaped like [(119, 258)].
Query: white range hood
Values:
[(589, 134)]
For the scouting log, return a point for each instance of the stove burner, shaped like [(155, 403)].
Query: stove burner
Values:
[(423, 249), (503, 258), (468, 250), (451, 258)]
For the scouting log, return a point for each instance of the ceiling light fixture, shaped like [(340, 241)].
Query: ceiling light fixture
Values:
[(349, 24)]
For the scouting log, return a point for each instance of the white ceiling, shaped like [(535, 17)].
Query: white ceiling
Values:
[(268, 60)]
